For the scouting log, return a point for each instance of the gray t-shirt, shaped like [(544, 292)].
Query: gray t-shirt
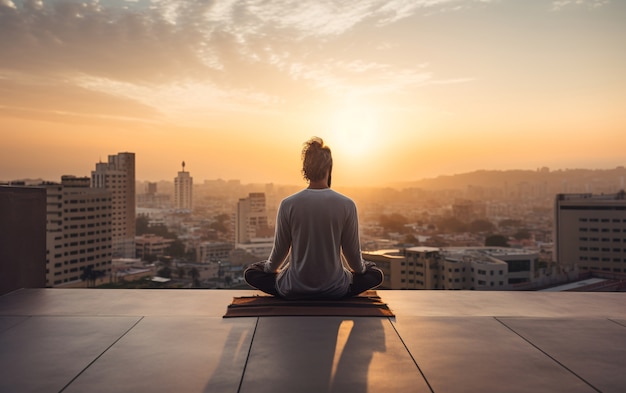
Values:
[(317, 226)]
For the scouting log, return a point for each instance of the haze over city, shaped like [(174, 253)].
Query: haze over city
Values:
[(400, 90)]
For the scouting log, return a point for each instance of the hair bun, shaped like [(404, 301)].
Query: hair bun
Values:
[(316, 159)]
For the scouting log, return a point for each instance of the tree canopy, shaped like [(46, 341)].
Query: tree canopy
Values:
[(496, 241), (394, 223)]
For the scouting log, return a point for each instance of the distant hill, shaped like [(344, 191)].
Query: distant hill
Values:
[(581, 180)]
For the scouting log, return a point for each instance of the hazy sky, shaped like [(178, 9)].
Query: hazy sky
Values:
[(400, 90)]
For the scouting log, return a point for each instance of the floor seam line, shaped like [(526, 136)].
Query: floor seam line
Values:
[(616, 322), (547, 354), (411, 355), (245, 365), (100, 355)]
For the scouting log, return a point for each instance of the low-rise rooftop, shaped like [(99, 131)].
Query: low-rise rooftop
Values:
[(100, 340)]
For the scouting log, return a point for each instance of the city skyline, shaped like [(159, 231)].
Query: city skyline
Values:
[(399, 90)]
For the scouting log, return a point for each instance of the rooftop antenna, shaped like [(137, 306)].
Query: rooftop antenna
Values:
[(183, 166)]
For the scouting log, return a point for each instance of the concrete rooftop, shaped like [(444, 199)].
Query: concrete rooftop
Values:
[(103, 340)]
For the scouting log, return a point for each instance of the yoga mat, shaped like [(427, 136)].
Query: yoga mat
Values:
[(368, 304)]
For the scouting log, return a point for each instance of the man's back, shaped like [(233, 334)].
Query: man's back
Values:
[(317, 223)]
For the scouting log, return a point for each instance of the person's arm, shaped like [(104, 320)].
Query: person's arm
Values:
[(351, 244), (282, 241)]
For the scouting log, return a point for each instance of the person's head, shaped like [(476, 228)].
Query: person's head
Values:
[(317, 160)]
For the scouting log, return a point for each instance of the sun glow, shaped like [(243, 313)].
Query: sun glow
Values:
[(353, 132)]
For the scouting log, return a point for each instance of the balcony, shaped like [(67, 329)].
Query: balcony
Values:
[(98, 340)]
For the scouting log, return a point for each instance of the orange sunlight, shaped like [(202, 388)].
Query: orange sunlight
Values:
[(398, 92)]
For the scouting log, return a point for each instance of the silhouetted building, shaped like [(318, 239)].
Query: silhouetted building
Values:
[(590, 231), (118, 177), (22, 238), (466, 210), (183, 189), (151, 199)]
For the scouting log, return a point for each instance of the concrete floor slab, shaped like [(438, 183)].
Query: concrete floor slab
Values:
[(480, 354), (498, 303), (10, 322), (44, 354), (593, 349), (173, 354), (144, 302), (329, 354), (176, 340)]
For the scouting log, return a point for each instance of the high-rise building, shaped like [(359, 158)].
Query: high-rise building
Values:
[(118, 177), (251, 218), (78, 243), (183, 188), (590, 231)]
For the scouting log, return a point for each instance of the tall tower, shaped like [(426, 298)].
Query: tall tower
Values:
[(183, 187), (118, 177)]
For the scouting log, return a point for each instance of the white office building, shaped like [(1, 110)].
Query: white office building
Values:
[(590, 232)]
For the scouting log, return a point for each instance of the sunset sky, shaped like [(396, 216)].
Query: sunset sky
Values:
[(400, 90)]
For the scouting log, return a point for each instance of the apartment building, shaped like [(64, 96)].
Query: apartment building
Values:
[(590, 231), (79, 231), (478, 268)]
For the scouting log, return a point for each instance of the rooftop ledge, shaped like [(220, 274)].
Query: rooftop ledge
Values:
[(97, 340)]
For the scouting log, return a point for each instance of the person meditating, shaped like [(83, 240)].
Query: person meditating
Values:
[(318, 229)]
